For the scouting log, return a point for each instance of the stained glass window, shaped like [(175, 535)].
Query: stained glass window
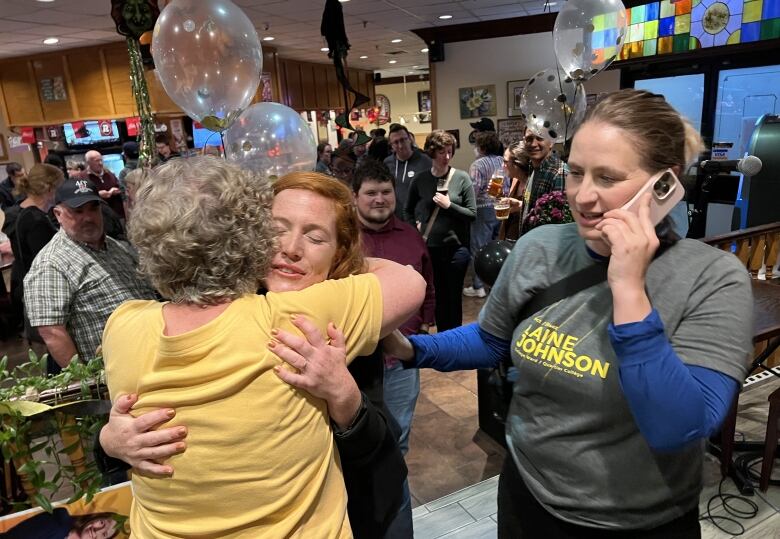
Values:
[(668, 26)]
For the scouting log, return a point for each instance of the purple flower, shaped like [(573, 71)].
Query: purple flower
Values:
[(556, 214)]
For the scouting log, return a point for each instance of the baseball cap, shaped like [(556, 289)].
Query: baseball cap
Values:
[(74, 193), (484, 124), (130, 149)]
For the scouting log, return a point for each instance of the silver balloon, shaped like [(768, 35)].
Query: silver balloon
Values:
[(208, 58), (553, 106), (271, 139), (588, 36)]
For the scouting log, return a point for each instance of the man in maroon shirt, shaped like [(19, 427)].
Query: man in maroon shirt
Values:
[(105, 181), (386, 236)]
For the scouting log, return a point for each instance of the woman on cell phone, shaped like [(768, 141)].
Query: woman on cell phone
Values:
[(617, 385)]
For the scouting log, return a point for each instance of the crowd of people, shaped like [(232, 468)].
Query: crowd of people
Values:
[(255, 399)]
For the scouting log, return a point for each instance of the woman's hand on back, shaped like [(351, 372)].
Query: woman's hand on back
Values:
[(633, 243), (138, 442), (321, 365)]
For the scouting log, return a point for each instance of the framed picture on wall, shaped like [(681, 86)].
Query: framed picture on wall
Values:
[(424, 105), (511, 130), (514, 91), (476, 101)]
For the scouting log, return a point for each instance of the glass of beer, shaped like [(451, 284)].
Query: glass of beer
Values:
[(496, 185), (502, 209)]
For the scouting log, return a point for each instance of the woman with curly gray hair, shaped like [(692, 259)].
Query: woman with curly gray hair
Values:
[(205, 236)]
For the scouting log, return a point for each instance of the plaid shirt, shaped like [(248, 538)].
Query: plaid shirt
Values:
[(481, 171), (548, 177), (73, 285)]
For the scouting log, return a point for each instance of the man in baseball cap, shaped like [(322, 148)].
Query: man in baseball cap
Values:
[(484, 124), (79, 278)]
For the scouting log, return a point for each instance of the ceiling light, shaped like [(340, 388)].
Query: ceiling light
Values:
[(51, 41), (268, 38), (415, 67), (396, 40), (393, 61), (342, 1), (445, 17), (552, 3), (363, 57), (411, 72), (424, 50), (46, 1), (324, 49)]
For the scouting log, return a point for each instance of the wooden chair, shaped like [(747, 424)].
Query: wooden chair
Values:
[(758, 249)]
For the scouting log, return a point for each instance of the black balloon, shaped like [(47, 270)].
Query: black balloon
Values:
[(489, 259)]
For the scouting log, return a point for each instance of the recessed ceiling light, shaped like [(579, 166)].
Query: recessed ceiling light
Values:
[(51, 41), (411, 72), (396, 40), (363, 57), (552, 3), (46, 1), (393, 61), (342, 1), (424, 50), (415, 67), (445, 17), (324, 49), (268, 38)]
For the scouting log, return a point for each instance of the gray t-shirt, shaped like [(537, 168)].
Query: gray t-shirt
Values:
[(570, 429), (405, 172)]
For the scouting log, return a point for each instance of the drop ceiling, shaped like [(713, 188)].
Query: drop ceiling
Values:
[(294, 25)]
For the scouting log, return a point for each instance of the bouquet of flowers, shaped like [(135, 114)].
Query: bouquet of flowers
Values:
[(550, 208)]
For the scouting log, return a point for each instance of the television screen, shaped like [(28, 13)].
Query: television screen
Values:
[(203, 137), (91, 132), (113, 162)]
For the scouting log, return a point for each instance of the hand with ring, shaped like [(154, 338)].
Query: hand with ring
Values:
[(322, 367)]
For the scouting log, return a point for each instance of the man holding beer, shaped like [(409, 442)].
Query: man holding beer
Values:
[(488, 178)]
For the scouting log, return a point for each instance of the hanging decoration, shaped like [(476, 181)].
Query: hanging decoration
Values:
[(133, 19), (332, 28)]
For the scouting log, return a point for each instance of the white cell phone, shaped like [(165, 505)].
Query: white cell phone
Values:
[(667, 191)]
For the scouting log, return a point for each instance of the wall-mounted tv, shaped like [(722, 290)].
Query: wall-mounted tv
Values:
[(203, 137), (91, 132)]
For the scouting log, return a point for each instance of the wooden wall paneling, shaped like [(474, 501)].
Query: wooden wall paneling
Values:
[(161, 103), (308, 86), (107, 82), (51, 67), (88, 84), (294, 87), (118, 71), (371, 90), (335, 94), (20, 94), (321, 85)]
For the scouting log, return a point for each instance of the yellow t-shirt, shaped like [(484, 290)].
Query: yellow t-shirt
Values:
[(260, 458)]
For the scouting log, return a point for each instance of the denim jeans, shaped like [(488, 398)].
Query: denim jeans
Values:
[(484, 229), (402, 386), (401, 389)]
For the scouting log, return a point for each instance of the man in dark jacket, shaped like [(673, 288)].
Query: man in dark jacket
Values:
[(15, 172)]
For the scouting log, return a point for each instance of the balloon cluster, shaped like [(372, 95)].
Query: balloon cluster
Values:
[(209, 60), (587, 37)]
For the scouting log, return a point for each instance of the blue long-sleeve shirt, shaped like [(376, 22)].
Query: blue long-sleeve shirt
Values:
[(672, 403)]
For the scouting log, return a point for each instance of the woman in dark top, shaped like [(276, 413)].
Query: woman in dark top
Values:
[(34, 227), (443, 205)]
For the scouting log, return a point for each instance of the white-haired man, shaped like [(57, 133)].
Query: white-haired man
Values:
[(106, 183)]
